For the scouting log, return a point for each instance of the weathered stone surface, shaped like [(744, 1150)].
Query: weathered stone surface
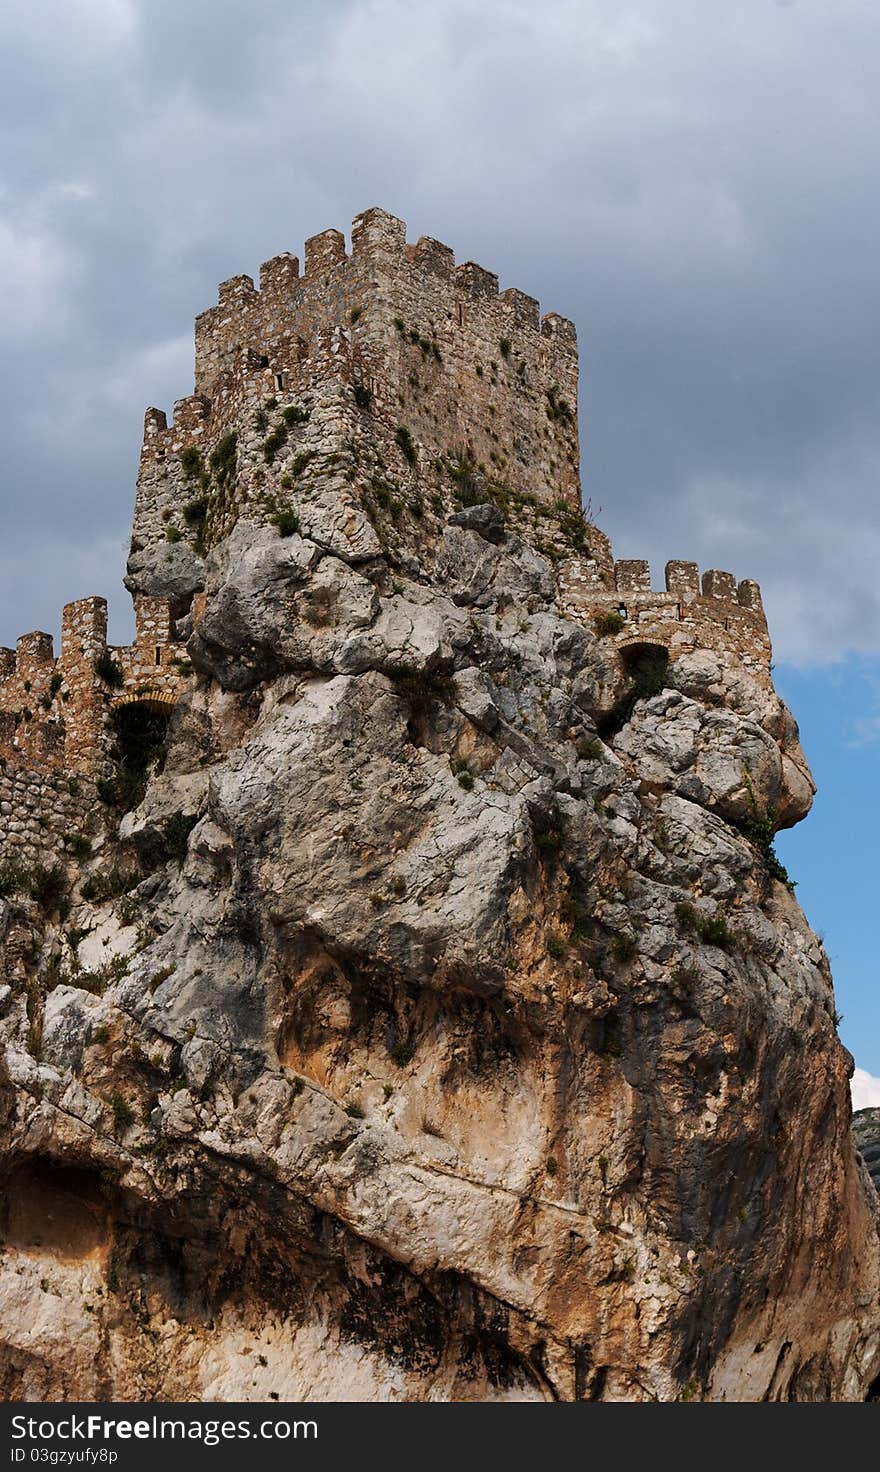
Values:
[(485, 519), (866, 1132), (711, 757), (168, 570)]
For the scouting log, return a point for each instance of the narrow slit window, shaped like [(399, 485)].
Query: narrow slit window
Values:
[(158, 654), (279, 380)]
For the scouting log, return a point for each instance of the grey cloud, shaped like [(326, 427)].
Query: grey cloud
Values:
[(697, 189)]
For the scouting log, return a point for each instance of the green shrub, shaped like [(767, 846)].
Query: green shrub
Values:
[(173, 533), (158, 977), (557, 408), (686, 915), (194, 512), (286, 521), (589, 749), (354, 1111), (110, 884), (15, 878), (48, 886), (402, 1053), (469, 490), (273, 443), (685, 980), (556, 947), (78, 844), (224, 457), (608, 623), (421, 688), (549, 830), (139, 739), (760, 830), (123, 1114), (55, 683), (405, 444), (191, 462), (504, 347), (294, 414), (107, 669), (712, 930), (101, 1034)]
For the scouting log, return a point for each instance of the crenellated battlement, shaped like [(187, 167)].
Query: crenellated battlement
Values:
[(336, 283), (437, 346), (53, 710), (712, 612)]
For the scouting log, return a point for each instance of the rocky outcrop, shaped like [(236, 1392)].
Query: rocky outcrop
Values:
[(422, 1013), (866, 1132), (449, 1049)]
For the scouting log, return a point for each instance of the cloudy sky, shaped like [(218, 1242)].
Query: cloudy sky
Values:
[(696, 184)]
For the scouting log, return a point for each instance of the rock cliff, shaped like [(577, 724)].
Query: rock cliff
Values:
[(428, 1017)]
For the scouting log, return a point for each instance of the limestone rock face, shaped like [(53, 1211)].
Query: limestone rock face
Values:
[(415, 1041), (170, 571), (866, 1132)]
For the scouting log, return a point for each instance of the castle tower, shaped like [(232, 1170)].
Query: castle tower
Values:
[(389, 350)]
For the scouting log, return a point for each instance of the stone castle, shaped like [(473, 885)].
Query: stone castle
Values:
[(382, 373)]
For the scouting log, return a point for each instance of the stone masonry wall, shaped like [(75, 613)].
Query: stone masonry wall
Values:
[(40, 810), (53, 712), (715, 613), (490, 372)]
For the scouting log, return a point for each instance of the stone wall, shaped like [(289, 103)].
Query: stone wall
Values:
[(716, 612), (491, 373), (53, 712), (40, 811)]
